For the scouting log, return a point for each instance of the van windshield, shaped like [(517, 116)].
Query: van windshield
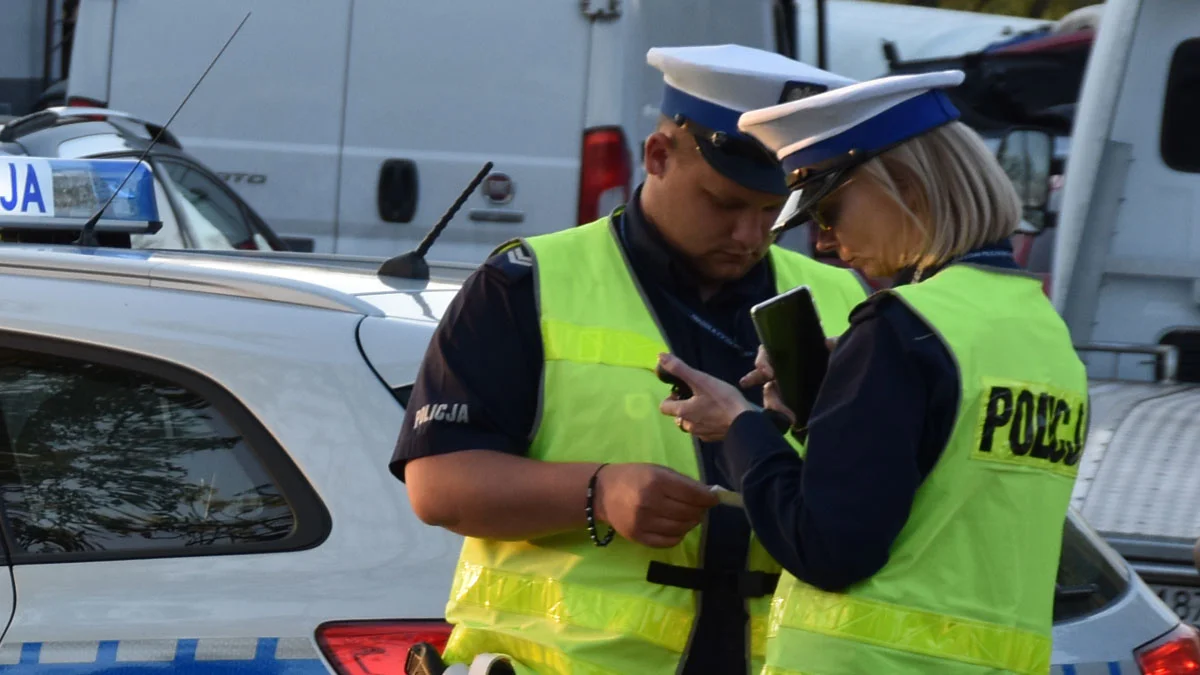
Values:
[(1091, 575)]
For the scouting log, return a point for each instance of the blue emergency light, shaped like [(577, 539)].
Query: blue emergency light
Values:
[(63, 194)]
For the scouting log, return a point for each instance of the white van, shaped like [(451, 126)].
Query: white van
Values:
[(356, 123)]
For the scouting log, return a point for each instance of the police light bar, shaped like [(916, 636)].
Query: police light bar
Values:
[(62, 194)]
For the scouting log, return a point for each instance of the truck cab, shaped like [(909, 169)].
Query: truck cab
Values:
[(1126, 279)]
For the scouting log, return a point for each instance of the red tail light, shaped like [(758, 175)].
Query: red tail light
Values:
[(81, 102), (377, 647), (605, 173), (1176, 653)]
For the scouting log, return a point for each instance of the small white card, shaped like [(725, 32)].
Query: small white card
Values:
[(728, 497)]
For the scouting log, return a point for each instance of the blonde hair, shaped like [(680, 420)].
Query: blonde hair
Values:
[(952, 188)]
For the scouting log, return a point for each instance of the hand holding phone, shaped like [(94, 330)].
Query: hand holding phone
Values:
[(791, 334)]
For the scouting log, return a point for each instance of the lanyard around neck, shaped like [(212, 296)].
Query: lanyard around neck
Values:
[(682, 307)]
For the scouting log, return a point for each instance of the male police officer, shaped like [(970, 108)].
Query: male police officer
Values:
[(549, 353)]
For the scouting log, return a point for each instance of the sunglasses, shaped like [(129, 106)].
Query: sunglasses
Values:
[(814, 205), (825, 214)]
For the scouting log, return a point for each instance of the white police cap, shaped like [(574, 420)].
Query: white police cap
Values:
[(709, 88), (837, 129)]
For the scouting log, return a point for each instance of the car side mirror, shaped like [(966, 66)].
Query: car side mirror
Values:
[(1196, 554), (1026, 156)]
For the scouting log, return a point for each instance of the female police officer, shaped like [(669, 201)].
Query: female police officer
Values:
[(921, 532)]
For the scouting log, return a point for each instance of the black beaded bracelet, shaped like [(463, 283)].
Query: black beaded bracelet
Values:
[(591, 512)]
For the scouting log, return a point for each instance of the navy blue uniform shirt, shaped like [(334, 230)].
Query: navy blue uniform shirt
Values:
[(888, 405), (487, 355)]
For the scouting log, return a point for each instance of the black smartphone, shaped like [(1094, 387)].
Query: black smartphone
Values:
[(789, 328), (678, 386)]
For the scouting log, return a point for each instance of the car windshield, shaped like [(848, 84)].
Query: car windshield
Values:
[(1090, 574)]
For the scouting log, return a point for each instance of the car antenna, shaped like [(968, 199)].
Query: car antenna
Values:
[(87, 236), (412, 265)]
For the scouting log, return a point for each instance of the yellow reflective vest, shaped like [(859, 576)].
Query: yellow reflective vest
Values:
[(969, 585), (560, 604)]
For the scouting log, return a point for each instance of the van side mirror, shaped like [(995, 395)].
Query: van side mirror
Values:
[(1026, 156)]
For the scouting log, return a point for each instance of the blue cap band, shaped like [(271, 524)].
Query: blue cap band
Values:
[(894, 125), (715, 117)]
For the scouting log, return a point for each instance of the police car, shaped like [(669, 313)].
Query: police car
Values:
[(199, 210), (193, 453)]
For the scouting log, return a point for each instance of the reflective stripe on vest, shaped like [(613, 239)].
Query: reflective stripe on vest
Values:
[(574, 604), (561, 605), (968, 587), (878, 623), (577, 605)]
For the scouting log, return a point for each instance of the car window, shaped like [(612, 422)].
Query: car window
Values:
[(218, 220), (1187, 341), (90, 146), (1180, 144), (169, 237), (99, 458), (1090, 575)]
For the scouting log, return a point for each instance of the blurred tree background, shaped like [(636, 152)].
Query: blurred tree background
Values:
[(1034, 9)]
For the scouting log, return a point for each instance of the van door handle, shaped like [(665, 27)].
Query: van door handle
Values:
[(299, 244), (397, 194)]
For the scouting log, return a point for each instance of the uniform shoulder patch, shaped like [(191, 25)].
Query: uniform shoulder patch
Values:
[(513, 261)]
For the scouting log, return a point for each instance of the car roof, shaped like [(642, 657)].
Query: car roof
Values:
[(105, 137), (338, 283), (96, 133), (49, 133)]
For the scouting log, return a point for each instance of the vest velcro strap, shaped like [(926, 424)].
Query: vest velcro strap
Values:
[(743, 584), (594, 344), (942, 636)]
